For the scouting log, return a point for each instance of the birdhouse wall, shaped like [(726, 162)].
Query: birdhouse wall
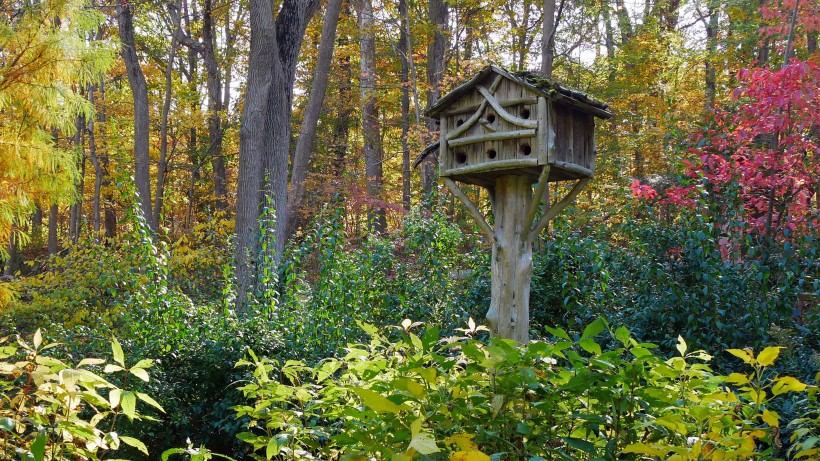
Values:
[(482, 140), (574, 141)]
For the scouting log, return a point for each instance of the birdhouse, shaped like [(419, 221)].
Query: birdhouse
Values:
[(499, 123)]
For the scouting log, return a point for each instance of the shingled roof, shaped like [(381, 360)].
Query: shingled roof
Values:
[(536, 82)]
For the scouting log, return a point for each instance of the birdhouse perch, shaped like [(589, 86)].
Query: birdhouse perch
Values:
[(506, 132)]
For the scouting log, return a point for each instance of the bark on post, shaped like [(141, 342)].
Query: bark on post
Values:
[(509, 312)]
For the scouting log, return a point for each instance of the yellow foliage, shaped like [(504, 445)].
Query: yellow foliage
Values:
[(44, 59), (473, 455)]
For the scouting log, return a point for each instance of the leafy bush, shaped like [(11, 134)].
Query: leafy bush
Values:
[(52, 411), (466, 399)]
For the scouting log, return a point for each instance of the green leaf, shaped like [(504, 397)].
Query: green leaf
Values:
[(128, 401), (111, 368), (581, 444), (116, 349), (424, 443), (376, 402), (144, 363), (38, 446), (768, 355), (150, 401), (140, 373), (7, 424), (558, 333), (681, 347), (273, 448), (594, 328), (173, 451), (85, 362), (114, 397), (588, 344), (622, 335)]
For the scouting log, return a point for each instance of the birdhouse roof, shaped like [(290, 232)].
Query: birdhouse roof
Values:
[(535, 82)]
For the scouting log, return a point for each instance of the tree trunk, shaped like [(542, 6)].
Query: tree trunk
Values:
[(341, 124), (404, 52), (370, 116), (110, 221), (624, 23), (264, 134), (310, 122), (75, 213), (548, 38), (511, 264), (53, 211), (96, 220), (609, 40), (215, 107), (711, 49), (139, 93), (437, 11), (162, 166)]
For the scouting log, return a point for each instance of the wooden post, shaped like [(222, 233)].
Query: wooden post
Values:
[(509, 314)]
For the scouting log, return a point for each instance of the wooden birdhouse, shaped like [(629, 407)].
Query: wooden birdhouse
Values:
[(506, 132), (499, 123)]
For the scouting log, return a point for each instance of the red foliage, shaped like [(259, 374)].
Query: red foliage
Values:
[(767, 148)]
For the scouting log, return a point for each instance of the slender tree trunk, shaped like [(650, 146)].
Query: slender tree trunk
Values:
[(215, 107), (98, 171), (75, 216), (624, 23), (437, 13), (609, 40), (404, 52), (53, 211), (110, 221), (711, 49), (310, 122), (548, 38), (139, 93), (341, 124), (373, 152), (162, 166)]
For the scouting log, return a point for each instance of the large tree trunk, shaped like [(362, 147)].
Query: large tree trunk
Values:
[(264, 134), (437, 11), (139, 93), (370, 116), (310, 122)]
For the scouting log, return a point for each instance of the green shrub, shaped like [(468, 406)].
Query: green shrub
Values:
[(460, 398), (52, 411)]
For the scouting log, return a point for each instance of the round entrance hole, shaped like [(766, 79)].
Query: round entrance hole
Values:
[(461, 157), (460, 122), (525, 113), (526, 149), (491, 118), (491, 153)]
